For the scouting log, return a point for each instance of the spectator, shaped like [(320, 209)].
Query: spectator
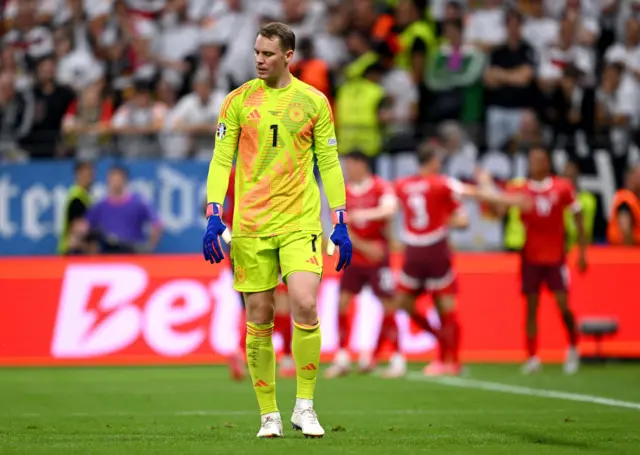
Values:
[(557, 57), (455, 76), (138, 122), (416, 39), (87, 123), (123, 221), (616, 108), (74, 239), (310, 69), (486, 26), (509, 82), (627, 53), (540, 30), (51, 103), (16, 118), (361, 112), (529, 134), (461, 153), (566, 110), (192, 123), (329, 44), (588, 203), (401, 92), (624, 218)]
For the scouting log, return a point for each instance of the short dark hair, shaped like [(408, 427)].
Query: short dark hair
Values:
[(119, 169), (279, 30), (81, 164), (455, 23), (514, 13), (357, 155), (428, 151)]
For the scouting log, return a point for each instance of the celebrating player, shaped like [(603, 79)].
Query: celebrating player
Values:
[(371, 202), (277, 124), (430, 203), (543, 254)]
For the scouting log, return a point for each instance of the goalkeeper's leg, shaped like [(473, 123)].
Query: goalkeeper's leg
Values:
[(256, 275), (301, 265)]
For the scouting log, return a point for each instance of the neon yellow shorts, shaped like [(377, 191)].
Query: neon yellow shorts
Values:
[(257, 261)]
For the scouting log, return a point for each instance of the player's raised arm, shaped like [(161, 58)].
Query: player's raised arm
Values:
[(489, 196), (218, 179)]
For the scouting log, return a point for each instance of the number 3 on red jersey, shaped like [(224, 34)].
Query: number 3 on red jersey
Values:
[(418, 213)]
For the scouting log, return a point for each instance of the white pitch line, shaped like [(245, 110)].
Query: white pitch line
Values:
[(527, 391), (221, 412)]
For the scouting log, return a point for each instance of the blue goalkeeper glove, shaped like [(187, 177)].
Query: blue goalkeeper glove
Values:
[(340, 238), (211, 247)]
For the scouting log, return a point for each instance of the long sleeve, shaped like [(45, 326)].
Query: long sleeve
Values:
[(224, 151), (326, 150)]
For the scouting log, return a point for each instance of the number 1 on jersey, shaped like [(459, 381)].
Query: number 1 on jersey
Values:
[(274, 127), (419, 214)]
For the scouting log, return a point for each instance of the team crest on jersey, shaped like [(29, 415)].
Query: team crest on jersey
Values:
[(296, 114), (222, 131), (240, 275)]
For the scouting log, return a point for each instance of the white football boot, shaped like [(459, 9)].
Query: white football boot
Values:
[(572, 362), (341, 365), (304, 419), (271, 426), (397, 367), (533, 365)]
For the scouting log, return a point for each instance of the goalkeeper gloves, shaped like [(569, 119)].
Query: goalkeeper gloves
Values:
[(340, 238), (215, 228)]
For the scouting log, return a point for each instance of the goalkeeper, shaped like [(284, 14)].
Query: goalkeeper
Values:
[(276, 125)]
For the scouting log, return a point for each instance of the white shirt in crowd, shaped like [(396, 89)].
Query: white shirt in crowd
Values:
[(486, 26), (191, 111)]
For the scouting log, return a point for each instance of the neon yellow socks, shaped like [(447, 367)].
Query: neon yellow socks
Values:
[(261, 359), (307, 341)]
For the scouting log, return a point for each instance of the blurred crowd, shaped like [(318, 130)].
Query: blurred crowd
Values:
[(145, 78)]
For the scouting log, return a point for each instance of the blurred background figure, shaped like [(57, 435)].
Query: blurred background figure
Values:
[(124, 222), (74, 239)]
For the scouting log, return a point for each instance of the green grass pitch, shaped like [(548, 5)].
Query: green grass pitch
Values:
[(198, 410)]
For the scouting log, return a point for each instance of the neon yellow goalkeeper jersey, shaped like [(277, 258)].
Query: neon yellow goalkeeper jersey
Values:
[(274, 134)]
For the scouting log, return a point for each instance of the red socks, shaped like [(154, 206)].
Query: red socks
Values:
[(532, 345), (450, 337), (282, 324), (388, 332), (344, 330)]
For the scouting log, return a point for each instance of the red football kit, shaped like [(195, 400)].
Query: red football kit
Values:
[(543, 254), (363, 270), (428, 202)]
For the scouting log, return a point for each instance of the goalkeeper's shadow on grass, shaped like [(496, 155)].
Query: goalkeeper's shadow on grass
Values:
[(540, 437)]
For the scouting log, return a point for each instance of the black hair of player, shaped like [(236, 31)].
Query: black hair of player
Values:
[(120, 169), (539, 147), (81, 165), (357, 155), (279, 30)]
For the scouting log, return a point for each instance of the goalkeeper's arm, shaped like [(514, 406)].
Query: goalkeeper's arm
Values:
[(326, 149), (226, 144)]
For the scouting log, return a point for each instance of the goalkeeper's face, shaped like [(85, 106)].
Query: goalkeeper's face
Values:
[(271, 60)]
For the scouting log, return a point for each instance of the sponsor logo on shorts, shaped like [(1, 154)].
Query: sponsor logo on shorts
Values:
[(313, 260), (221, 132), (240, 275)]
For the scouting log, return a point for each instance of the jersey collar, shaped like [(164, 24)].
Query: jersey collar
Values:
[(543, 185), (361, 188)]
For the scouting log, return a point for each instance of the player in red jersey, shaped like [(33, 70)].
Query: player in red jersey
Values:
[(431, 205), (371, 201), (543, 254), (282, 320)]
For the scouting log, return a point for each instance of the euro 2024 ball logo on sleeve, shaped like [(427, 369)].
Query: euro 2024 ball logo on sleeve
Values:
[(222, 131)]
